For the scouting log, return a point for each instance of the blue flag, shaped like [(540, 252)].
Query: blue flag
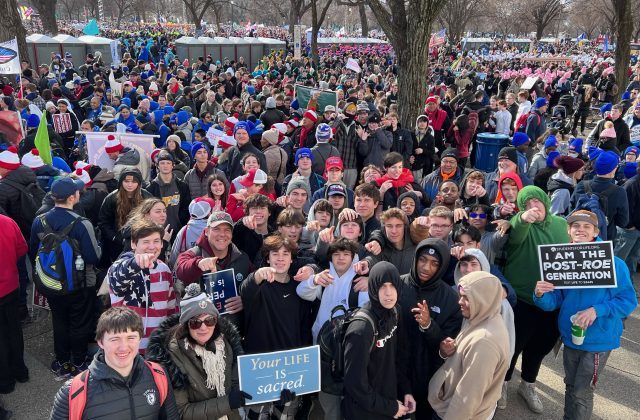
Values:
[(606, 43), (91, 28)]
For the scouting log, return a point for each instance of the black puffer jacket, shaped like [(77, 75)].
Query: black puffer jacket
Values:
[(445, 316), (10, 196), (110, 396)]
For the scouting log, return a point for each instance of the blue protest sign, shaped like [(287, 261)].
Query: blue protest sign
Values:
[(220, 286), (265, 375)]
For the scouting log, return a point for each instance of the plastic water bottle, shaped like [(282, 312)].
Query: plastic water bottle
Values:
[(79, 263)]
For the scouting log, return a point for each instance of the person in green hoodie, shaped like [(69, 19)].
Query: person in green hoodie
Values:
[(536, 330)]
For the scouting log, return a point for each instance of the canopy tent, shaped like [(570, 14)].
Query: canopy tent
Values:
[(98, 44), (40, 47)]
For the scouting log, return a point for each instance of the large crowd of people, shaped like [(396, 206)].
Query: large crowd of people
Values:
[(314, 208)]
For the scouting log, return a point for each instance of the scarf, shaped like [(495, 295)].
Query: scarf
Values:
[(406, 177), (303, 137), (213, 364), (446, 177)]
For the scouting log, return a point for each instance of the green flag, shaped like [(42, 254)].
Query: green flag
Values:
[(42, 141), (326, 97)]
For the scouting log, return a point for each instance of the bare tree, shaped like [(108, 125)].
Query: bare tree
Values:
[(585, 17), (318, 13), (457, 15), (47, 11), (503, 17), (543, 12), (297, 10), (624, 30), (123, 9), (12, 26), (362, 10), (407, 24)]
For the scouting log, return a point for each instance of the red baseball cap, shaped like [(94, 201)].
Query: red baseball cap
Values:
[(334, 162)]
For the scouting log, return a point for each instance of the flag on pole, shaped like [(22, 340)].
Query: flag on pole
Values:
[(42, 141), (580, 39), (91, 28), (606, 43), (439, 38), (9, 57)]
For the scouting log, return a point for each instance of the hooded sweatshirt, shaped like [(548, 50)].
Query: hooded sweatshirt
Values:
[(469, 383), (505, 308), (416, 202), (375, 379), (522, 268), (443, 308)]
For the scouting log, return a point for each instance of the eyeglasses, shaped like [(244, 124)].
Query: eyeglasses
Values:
[(477, 215), (195, 323), (440, 227)]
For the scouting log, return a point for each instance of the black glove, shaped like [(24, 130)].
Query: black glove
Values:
[(286, 396), (237, 398)]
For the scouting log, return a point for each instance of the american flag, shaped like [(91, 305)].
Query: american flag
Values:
[(6, 55), (439, 38)]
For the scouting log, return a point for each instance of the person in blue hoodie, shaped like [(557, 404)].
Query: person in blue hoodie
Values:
[(600, 311), (161, 129)]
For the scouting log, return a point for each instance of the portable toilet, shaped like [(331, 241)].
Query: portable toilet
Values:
[(98, 44), (190, 48), (208, 46), (40, 48), (72, 45), (271, 44), (228, 49), (256, 52)]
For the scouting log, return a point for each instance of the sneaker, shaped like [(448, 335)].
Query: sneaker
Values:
[(64, 371), (528, 392), (502, 402), (81, 367)]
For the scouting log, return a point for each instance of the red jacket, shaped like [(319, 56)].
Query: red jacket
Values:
[(12, 247)]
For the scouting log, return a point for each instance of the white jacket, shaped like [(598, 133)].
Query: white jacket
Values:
[(337, 293)]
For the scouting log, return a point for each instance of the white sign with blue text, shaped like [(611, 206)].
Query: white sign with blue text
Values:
[(265, 375)]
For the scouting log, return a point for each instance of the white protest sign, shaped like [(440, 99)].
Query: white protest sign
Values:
[(579, 265)]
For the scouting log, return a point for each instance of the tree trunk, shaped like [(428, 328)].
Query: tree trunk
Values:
[(413, 63), (293, 18), (12, 27), (47, 11), (364, 22), (622, 9)]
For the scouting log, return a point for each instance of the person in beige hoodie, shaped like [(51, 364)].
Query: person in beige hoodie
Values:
[(469, 383)]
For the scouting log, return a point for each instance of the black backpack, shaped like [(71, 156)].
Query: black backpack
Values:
[(331, 342), (55, 271), (30, 200)]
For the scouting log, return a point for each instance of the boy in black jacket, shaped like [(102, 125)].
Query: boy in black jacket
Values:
[(375, 381)]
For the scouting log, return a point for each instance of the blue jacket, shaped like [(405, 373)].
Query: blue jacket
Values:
[(611, 305)]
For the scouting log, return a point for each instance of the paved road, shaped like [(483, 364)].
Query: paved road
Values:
[(616, 397)]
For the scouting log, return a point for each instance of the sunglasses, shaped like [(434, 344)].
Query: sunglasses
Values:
[(196, 323), (477, 215)]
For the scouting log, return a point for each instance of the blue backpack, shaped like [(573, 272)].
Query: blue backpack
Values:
[(59, 269), (597, 203)]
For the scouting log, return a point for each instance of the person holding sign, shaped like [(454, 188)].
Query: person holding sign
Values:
[(276, 318), (198, 349), (536, 330), (590, 322)]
